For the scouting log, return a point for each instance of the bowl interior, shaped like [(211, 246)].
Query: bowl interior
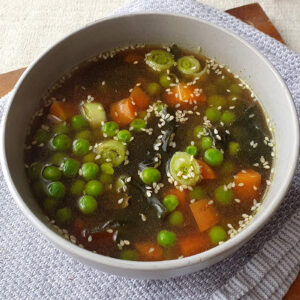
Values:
[(156, 29)]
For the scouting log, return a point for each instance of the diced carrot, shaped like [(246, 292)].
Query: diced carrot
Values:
[(185, 95), (205, 214), (247, 185), (182, 196), (193, 243), (132, 58), (206, 171), (99, 240), (62, 110), (149, 250), (123, 112), (78, 224), (139, 98)]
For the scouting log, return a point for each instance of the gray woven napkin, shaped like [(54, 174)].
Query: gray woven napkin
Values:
[(264, 268)]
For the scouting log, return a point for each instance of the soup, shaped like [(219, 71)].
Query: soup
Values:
[(149, 153)]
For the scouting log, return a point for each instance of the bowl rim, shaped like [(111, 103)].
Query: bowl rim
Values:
[(233, 243)]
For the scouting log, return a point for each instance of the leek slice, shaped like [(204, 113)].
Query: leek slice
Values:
[(159, 60)]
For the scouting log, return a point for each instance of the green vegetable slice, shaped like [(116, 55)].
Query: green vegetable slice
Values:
[(111, 151), (94, 112), (184, 169), (159, 60), (190, 66)]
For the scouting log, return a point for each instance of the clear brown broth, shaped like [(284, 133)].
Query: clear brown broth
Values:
[(120, 77)]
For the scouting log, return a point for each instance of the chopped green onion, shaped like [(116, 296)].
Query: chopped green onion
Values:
[(188, 65), (159, 60), (184, 169), (111, 151)]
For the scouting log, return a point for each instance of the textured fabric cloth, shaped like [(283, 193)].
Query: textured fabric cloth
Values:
[(28, 27), (264, 268)]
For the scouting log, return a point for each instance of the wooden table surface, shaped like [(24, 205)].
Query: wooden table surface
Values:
[(252, 14)]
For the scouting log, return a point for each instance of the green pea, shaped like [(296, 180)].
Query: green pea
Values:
[(94, 188), (110, 129), (57, 158), (38, 189), (213, 157), (236, 89), (206, 142), (228, 117), (213, 114), (42, 136), (150, 175), (198, 131), (87, 204), (224, 196), (107, 168), (106, 179), (50, 205), (211, 89), (176, 218), (81, 147), (138, 124), (51, 173), (170, 202), (227, 168), (35, 170), (64, 215), (216, 101), (191, 150), (61, 142), (129, 255), (166, 238), (61, 128), (90, 157), (124, 136), (84, 134), (217, 234), (166, 79), (223, 82), (153, 89), (71, 167), (56, 189), (77, 187), (234, 148), (89, 170), (79, 122), (197, 193)]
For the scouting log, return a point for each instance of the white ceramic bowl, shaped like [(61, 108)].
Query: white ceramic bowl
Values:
[(151, 28)]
